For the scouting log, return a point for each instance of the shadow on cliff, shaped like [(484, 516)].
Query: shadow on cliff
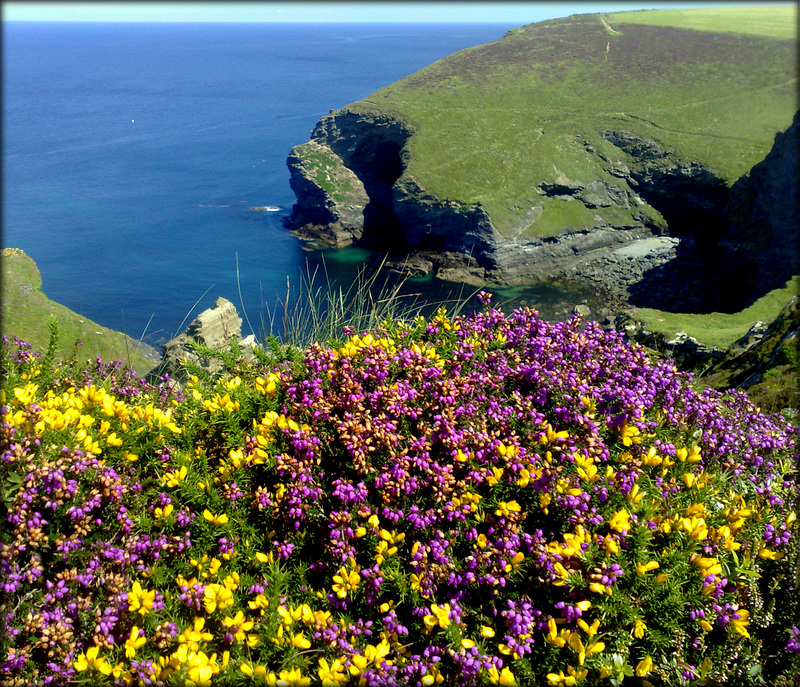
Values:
[(737, 253), (684, 284), (378, 166), (706, 279)]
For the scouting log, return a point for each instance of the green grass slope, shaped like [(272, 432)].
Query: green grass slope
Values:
[(27, 311), (713, 86), (716, 328), (772, 21)]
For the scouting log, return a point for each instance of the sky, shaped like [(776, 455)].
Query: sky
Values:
[(332, 11)]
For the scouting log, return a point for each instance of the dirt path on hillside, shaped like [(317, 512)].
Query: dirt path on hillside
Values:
[(608, 27)]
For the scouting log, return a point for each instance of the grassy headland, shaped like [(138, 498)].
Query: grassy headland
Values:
[(776, 21), (27, 310), (491, 120)]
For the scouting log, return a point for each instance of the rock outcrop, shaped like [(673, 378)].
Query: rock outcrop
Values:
[(343, 180), (214, 328), (687, 351), (764, 348), (333, 198)]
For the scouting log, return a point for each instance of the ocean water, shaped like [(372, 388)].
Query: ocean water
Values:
[(132, 154)]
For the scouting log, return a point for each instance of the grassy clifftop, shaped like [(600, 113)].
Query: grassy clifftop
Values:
[(772, 22), (27, 310), (712, 86)]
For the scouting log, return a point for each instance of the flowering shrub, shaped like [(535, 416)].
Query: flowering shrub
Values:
[(487, 499)]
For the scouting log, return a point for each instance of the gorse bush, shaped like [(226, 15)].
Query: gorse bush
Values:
[(485, 499)]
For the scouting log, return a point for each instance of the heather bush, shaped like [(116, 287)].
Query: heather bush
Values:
[(482, 499)]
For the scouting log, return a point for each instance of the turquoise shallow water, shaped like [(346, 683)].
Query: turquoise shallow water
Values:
[(133, 152)]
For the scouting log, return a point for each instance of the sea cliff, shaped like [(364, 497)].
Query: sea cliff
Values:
[(633, 182)]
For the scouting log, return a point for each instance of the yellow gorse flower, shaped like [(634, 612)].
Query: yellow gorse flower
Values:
[(217, 596), (550, 436), (220, 519), (439, 615), (620, 521), (724, 536), (346, 581), (253, 671), (333, 674), (571, 678), (373, 655), (192, 636), (692, 455), (289, 678), (356, 343), (554, 636), (238, 625), (140, 600), (642, 568), (644, 666), (494, 477), (268, 386), (163, 513), (27, 394), (155, 418), (91, 661), (768, 554), (134, 642), (503, 677), (202, 668), (174, 478), (225, 403), (695, 527), (506, 508), (587, 470), (740, 619), (590, 630), (260, 604), (630, 434)]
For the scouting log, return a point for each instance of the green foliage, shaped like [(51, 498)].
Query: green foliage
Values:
[(318, 310), (325, 172)]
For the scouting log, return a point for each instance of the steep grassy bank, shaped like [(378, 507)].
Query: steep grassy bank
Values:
[(27, 310)]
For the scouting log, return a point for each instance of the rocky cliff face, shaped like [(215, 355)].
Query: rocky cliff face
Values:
[(343, 180), (760, 245), (352, 186)]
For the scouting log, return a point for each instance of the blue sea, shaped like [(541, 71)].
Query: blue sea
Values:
[(132, 154)]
